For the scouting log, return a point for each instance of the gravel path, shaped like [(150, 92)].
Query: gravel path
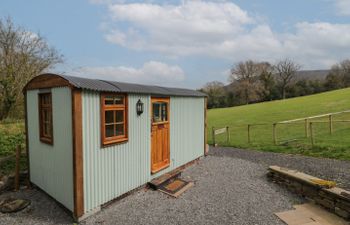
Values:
[(43, 210), (331, 169), (230, 188), (226, 191)]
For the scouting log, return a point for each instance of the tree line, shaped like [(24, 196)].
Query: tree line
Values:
[(24, 55), (252, 82)]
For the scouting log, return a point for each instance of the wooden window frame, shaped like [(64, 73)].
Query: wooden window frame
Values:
[(160, 100), (107, 141), (44, 138)]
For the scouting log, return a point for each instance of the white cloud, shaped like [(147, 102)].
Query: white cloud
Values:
[(223, 30), (318, 43), (189, 28), (343, 7), (151, 72)]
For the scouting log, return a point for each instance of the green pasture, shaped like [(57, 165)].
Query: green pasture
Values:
[(291, 138)]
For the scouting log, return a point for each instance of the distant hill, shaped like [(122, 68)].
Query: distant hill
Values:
[(302, 74)]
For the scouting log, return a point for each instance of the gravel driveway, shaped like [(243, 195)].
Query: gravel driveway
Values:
[(331, 169), (230, 188)]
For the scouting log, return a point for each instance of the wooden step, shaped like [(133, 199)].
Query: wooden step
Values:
[(156, 182)]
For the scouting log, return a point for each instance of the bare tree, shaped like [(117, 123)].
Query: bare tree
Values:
[(285, 71), (267, 80), (216, 94), (23, 55), (247, 74)]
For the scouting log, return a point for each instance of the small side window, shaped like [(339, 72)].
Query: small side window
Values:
[(45, 118)]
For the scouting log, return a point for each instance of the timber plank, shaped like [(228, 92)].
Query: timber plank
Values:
[(156, 182)]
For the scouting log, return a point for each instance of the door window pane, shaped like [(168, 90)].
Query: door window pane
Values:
[(160, 112), (164, 112), (156, 112)]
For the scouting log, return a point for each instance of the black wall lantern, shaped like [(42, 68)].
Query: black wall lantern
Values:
[(139, 107)]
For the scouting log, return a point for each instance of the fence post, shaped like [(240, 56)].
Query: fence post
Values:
[(249, 133), (213, 132), (306, 128), (274, 133), (330, 124), (18, 157), (312, 135), (228, 135)]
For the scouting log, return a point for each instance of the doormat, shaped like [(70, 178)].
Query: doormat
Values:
[(310, 214), (175, 187)]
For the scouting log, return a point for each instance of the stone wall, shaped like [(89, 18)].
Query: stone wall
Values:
[(322, 192)]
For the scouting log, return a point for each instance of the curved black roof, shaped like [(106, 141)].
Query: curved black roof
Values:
[(113, 86)]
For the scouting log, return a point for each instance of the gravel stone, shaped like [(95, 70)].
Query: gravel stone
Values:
[(329, 169), (230, 188)]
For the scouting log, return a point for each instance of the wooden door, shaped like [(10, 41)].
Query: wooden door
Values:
[(160, 149)]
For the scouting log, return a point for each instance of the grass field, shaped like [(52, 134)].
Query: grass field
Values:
[(11, 135), (291, 137)]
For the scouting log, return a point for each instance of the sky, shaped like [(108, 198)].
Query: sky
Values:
[(184, 43)]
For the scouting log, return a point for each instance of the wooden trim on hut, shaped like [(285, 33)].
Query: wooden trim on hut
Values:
[(115, 139), (205, 125), (77, 123), (46, 81), (26, 135)]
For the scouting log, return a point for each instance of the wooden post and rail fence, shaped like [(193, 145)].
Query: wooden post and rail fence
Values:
[(308, 122), (17, 156), (221, 131)]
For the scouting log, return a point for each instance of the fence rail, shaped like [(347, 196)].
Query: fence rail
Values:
[(307, 122), (221, 131), (316, 116)]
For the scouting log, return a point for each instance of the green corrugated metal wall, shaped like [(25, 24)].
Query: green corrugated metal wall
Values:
[(51, 167), (112, 171)]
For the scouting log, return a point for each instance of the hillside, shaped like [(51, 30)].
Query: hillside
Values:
[(237, 119)]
